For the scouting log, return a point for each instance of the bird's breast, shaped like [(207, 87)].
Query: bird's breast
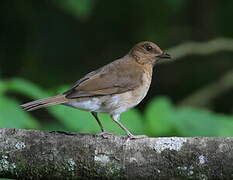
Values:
[(139, 93), (131, 98)]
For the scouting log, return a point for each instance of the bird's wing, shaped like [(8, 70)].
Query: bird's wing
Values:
[(111, 79)]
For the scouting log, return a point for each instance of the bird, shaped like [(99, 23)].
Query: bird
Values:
[(113, 88)]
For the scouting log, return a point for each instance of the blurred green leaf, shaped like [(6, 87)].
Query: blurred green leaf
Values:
[(79, 8), (25, 87), (226, 127), (196, 122), (12, 116), (54, 126), (60, 89), (133, 120), (74, 119), (176, 5), (3, 87), (158, 117)]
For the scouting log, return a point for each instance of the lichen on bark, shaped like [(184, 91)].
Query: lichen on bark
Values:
[(30, 154)]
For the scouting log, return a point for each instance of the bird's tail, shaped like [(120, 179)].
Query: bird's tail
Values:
[(33, 105)]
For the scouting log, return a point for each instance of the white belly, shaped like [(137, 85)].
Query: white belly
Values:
[(104, 104), (89, 105)]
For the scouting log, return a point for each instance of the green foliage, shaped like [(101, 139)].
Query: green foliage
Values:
[(10, 116), (158, 115), (24, 87), (192, 122), (73, 119), (161, 117), (79, 8), (165, 119)]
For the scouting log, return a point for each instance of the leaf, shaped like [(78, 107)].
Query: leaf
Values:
[(12, 116), (176, 5), (226, 128), (54, 126), (196, 122), (3, 87), (25, 87), (133, 120), (158, 117), (79, 8), (74, 119)]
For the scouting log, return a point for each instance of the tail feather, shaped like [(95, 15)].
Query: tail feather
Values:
[(33, 105)]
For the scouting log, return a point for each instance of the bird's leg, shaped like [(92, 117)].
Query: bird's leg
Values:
[(115, 118), (103, 133), (98, 121)]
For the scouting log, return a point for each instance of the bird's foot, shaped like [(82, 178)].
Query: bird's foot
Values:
[(104, 134), (133, 137)]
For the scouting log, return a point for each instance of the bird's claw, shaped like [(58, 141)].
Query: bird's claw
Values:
[(104, 134), (133, 137)]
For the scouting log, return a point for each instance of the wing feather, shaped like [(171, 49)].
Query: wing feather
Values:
[(111, 79)]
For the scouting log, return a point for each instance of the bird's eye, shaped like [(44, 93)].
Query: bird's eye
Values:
[(148, 48)]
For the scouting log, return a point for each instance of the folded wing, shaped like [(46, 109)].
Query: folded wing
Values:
[(111, 79)]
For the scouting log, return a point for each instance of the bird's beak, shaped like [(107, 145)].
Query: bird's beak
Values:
[(164, 55)]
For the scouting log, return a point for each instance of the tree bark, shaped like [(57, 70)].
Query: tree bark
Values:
[(31, 154)]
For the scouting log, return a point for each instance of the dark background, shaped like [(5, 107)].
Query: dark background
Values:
[(50, 44)]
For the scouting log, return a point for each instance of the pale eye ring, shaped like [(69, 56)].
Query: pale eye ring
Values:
[(148, 47)]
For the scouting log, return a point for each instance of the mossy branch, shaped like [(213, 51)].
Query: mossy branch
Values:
[(30, 154)]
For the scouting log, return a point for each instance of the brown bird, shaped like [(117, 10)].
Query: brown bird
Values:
[(113, 88)]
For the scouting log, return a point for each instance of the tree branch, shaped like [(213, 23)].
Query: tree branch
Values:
[(206, 94), (199, 48), (30, 154)]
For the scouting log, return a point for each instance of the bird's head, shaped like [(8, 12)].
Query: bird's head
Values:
[(147, 52)]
